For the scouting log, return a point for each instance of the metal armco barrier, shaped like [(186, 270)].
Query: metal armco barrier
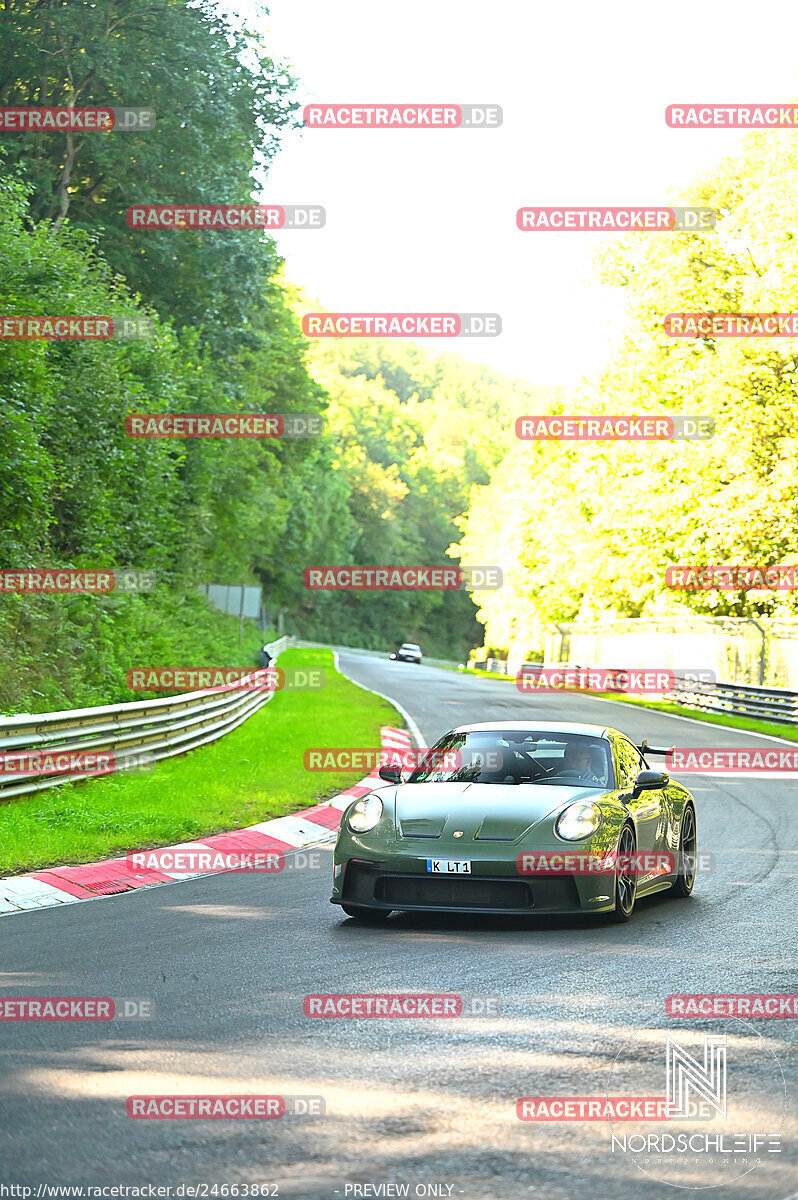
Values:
[(737, 699), (148, 730), (501, 666)]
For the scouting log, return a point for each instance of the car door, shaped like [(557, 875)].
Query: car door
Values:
[(648, 808)]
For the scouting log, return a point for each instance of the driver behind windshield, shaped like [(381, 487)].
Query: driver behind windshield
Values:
[(578, 760)]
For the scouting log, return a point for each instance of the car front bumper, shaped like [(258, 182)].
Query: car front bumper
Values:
[(492, 887)]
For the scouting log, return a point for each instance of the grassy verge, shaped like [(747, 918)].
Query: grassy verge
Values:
[(771, 728), (477, 671), (74, 651), (250, 775)]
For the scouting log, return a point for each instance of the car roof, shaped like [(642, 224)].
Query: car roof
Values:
[(600, 731)]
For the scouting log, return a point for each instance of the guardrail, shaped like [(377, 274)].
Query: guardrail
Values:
[(737, 699), (133, 733), (500, 666)]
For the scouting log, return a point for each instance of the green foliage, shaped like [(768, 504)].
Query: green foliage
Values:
[(412, 433), (74, 651), (589, 529), (220, 103), (408, 434)]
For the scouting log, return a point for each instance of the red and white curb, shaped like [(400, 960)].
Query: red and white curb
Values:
[(309, 826)]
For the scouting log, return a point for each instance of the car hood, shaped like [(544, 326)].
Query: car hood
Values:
[(482, 811)]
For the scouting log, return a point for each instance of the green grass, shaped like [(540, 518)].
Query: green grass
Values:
[(250, 775), (771, 728)]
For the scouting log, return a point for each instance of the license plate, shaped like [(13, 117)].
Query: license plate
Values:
[(448, 866)]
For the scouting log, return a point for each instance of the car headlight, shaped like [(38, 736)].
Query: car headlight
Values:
[(365, 814), (578, 821)]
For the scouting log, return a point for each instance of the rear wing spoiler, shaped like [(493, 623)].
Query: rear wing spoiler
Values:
[(645, 749)]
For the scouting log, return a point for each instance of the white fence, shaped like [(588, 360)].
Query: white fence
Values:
[(758, 652)]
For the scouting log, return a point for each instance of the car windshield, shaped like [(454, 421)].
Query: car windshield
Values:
[(518, 756), (410, 646)]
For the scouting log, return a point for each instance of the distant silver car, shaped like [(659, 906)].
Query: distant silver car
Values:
[(408, 652)]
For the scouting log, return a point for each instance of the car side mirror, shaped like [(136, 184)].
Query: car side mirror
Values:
[(650, 781), (391, 774)]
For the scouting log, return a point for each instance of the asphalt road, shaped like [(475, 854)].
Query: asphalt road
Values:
[(423, 1105)]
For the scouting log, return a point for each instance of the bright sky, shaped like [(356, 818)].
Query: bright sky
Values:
[(425, 220)]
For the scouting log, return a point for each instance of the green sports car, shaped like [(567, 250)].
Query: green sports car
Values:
[(513, 818)]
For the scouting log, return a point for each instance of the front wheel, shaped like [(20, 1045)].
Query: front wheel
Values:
[(685, 861), (371, 916), (625, 877)]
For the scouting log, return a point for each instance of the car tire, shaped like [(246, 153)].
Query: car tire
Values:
[(625, 884), (683, 885), (371, 916)]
